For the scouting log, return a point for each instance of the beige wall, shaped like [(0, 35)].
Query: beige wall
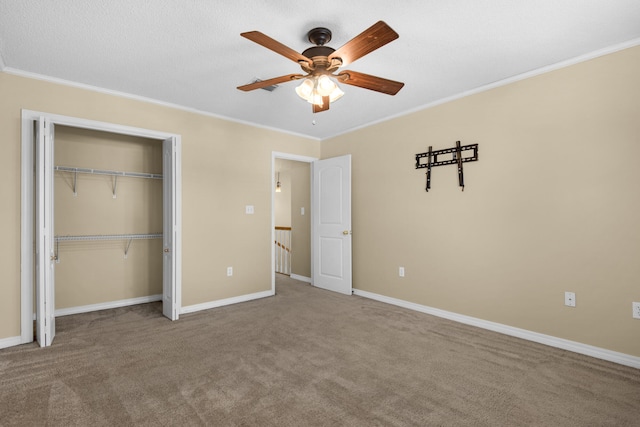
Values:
[(551, 206), (215, 152), (91, 272)]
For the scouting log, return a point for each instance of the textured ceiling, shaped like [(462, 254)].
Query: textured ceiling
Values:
[(189, 53)]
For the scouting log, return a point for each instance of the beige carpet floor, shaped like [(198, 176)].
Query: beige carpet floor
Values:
[(305, 357)]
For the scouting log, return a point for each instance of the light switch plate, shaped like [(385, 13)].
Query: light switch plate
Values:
[(249, 209), (636, 310), (570, 299)]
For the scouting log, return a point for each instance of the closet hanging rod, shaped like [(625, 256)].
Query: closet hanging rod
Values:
[(109, 237), (108, 172)]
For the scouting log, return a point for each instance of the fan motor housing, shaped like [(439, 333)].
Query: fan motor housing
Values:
[(318, 51)]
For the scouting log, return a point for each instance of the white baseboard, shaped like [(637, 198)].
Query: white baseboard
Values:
[(106, 305), (576, 347), (223, 302), (301, 278), (10, 342)]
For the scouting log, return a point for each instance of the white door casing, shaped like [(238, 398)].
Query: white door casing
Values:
[(332, 224), (45, 247)]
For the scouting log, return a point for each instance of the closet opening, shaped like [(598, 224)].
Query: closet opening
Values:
[(108, 220), (101, 219)]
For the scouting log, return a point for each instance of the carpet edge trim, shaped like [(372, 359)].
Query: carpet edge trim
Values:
[(561, 343)]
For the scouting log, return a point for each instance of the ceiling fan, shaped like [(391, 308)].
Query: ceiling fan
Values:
[(319, 62)]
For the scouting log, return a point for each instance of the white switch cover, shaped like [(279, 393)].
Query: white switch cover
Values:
[(302, 210), (229, 271), (570, 299), (248, 209), (401, 271)]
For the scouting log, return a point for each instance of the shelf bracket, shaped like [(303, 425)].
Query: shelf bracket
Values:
[(126, 250), (75, 183), (115, 185), (457, 158)]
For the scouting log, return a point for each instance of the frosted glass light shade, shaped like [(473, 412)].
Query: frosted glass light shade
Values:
[(313, 89), (305, 90)]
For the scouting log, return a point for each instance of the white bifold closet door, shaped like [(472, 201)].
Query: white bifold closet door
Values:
[(45, 251), (170, 191)]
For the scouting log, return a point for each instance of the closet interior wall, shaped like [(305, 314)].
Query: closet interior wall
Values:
[(102, 271)]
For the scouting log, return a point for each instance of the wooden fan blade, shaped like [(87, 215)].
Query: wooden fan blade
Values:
[(323, 107), (270, 82), (367, 81), (276, 46), (366, 42)]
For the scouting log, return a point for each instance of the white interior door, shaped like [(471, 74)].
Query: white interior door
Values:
[(171, 231), (332, 224), (45, 245)]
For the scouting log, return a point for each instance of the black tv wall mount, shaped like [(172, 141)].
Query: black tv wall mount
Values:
[(430, 160)]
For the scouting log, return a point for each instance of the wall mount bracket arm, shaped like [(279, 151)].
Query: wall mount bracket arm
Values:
[(431, 160)]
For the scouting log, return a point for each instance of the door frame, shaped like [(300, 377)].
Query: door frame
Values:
[(27, 223), (298, 158)]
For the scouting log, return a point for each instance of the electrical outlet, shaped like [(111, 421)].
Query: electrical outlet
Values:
[(401, 271), (570, 299), (636, 310), (229, 271), (249, 210)]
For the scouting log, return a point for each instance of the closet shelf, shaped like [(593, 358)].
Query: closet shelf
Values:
[(97, 237), (108, 172), (109, 237), (114, 174)]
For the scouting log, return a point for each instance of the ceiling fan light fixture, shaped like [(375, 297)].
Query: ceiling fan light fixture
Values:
[(314, 88)]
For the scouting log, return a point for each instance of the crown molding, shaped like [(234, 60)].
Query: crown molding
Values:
[(533, 73), (55, 80)]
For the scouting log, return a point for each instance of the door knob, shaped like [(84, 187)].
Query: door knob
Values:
[(345, 232), (166, 250)]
